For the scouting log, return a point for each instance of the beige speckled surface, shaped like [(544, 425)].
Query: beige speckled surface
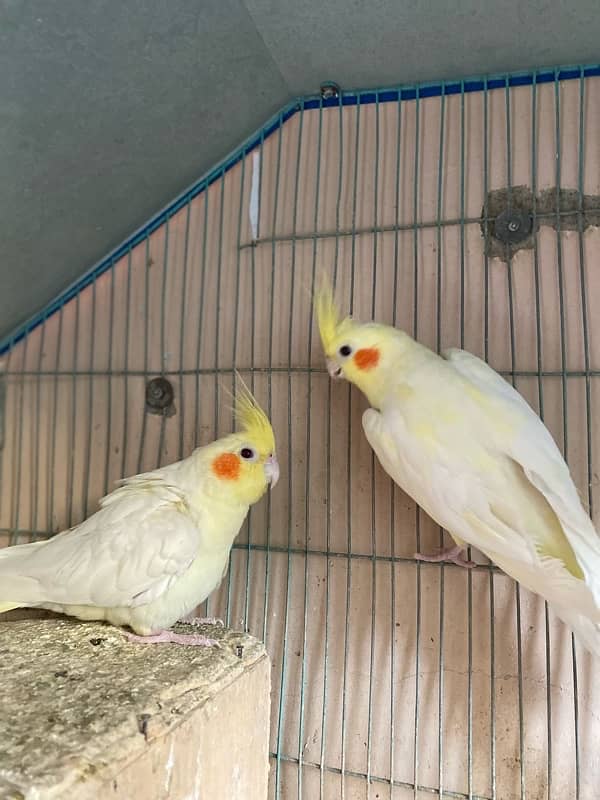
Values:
[(80, 703)]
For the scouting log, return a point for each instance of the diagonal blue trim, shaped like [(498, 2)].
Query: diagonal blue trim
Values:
[(347, 98), (152, 225)]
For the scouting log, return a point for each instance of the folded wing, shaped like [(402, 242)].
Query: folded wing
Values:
[(126, 554)]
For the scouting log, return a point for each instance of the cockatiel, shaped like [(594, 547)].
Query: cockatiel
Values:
[(457, 438), (158, 545)]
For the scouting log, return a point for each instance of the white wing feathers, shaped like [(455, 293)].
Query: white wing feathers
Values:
[(538, 455), (443, 480), (126, 554)]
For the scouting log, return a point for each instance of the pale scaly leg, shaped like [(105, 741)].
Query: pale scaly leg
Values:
[(452, 554), (191, 640)]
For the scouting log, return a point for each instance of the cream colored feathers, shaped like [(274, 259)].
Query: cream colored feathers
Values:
[(470, 451), (158, 545)]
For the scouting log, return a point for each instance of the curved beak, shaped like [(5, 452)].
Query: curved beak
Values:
[(272, 470), (334, 370)]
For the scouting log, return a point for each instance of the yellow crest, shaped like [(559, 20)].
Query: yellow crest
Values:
[(252, 419), (329, 320)]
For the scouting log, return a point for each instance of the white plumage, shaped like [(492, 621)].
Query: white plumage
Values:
[(158, 545), (456, 437)]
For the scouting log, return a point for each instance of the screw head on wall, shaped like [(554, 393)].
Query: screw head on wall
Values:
[(512, 225), (159, 396), (329, 90)]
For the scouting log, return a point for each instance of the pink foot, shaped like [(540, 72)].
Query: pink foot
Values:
[(204, 621), (452, 554), (174, 638)]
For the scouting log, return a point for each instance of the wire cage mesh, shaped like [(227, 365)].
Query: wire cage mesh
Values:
[(391, 678)]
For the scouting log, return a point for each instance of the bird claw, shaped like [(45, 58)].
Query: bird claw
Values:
[(191, 640), (454, 555)]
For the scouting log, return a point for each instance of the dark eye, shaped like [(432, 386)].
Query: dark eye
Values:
[(247, 453), (345, 350)]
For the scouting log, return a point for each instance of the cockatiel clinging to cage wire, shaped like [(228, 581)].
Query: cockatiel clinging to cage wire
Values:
[(160, 542), (456, 437)]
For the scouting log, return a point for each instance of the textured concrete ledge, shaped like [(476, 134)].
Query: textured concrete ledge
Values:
[(86, 714)]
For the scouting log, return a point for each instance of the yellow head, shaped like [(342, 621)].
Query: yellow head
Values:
[(244, 463), (358, 352)]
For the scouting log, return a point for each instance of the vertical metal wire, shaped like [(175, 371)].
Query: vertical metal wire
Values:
[(209, 600), (236, 302), (109, 380), (253, 359), (583, 285), (462, 344), (373, 507), (486, 341), (269, 380), (85, 484), (234, 346), (146, 318), (349, 461), (201, 318), (588, 388), (52, 459), (511, 318), (538, 335), (576, 718), (563, 363), (282, 685), (392, 483), (536, 256), (18, 447), (417, 509), (36, 435), (163, 337), (307, 451), (441, 532), (200, 332), (269, 374), (72, 421), (218, 272), (182, 338), (329, 464), (559, 268), (126, 367), (439, 243), (270, 363)]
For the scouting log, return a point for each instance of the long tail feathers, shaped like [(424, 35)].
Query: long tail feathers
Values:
[(23, 589), (7, 553)]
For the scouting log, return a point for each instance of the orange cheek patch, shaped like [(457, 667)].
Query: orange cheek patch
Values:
[(227, 466), (366, 358)]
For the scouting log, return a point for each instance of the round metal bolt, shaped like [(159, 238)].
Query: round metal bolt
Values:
[(513, 225), (329, 90), (159, 394)]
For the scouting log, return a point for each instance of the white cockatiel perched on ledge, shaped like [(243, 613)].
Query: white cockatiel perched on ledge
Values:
[(158, 545), (457, 438)]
